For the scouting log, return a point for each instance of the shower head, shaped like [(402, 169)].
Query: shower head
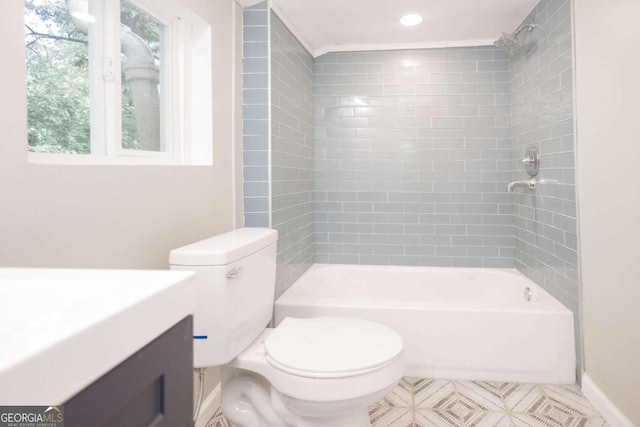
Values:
[(509, 42)]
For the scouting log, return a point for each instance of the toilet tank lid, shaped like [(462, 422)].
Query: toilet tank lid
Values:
[(224, 248)]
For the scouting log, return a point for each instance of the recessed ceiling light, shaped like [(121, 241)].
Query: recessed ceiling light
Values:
[(410, 20)]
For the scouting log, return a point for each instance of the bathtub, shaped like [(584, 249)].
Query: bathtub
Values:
[(456, 323)]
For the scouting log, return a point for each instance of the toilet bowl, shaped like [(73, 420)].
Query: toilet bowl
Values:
[(318, 372), (314, 372)]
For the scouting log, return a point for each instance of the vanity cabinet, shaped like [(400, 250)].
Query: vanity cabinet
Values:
[(153, 387)]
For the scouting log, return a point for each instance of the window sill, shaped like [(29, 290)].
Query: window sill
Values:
[(92, 159)]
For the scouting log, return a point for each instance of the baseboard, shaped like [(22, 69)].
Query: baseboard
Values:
[(601, 402), (209, 407)]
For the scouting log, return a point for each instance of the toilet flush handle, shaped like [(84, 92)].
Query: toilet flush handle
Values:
[(235, 273)]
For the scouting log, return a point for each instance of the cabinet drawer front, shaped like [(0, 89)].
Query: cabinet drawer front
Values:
[(154, 387)]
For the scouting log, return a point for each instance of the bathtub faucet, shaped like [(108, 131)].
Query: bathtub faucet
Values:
[(527, 183)]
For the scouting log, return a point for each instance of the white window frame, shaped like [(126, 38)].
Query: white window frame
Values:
[(182, 139)]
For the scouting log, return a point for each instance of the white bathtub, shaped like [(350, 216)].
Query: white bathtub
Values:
[(456, 323)]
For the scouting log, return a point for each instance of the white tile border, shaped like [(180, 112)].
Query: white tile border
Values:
[(209, 407), (601, 402)]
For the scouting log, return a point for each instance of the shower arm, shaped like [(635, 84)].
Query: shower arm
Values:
[(530, 26)]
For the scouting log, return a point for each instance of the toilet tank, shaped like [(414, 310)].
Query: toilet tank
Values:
[(235, 281)]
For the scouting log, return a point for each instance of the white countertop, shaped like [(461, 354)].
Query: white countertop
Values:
[(60, 330)]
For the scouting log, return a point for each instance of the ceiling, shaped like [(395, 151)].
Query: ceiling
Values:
[(349, 25)]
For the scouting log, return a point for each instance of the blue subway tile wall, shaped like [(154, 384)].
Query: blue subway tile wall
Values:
[(255, 109), (542, 117), (291, 154), (413, 150), (401, 157)]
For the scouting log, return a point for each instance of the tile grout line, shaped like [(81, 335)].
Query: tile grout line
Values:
[(507, 410), (413, 404)]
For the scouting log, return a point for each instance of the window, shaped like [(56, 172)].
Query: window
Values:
[(114, 81)]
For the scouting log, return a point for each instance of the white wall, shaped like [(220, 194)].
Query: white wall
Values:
[(113, 216), (607, 43)]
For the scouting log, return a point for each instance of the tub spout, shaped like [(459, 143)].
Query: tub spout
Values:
[(527, 183)]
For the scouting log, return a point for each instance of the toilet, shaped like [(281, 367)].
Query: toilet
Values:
[(315, 372)]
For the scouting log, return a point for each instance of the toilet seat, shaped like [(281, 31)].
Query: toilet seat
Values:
[(331, 347), (317, 389)]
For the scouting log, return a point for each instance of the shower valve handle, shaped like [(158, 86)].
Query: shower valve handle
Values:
[(528, 161), (531, 161)]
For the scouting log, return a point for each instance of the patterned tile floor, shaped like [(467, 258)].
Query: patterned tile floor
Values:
[(421, 402)]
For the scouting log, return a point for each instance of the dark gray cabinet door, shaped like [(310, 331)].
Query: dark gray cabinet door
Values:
[(154, 387)]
